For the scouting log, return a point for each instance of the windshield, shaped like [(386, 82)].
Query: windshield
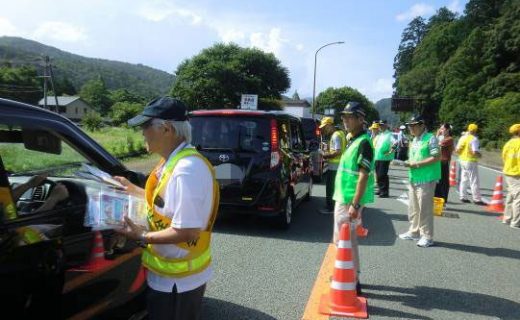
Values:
[(246, 134), (18, 160)]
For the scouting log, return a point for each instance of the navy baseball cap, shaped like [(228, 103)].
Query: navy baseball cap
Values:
[(166, 108), (354, 107)]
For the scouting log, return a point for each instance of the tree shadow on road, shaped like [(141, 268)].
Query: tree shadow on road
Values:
[(491, 252), (428, 298), (219, 309)]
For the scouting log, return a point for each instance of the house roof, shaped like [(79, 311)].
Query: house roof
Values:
[(62, 100), (291, 102)]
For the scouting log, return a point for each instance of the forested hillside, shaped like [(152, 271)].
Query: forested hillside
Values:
[(74, 70), (465, 68)]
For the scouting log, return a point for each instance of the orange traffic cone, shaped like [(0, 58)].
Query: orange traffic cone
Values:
[(97, 256), (360, 230), (497, 202), (453, 174), (342, 299)]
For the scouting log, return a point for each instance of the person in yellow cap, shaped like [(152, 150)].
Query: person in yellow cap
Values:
[(332, 154), (511, 158), (374, 131), (468, 149)]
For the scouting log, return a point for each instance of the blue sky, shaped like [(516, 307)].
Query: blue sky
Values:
[(162, 33)]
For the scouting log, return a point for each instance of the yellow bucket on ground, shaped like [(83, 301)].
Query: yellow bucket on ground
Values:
[(438, 205)]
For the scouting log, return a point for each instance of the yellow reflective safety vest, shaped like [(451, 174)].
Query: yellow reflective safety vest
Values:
[(511, 157), (343, 139), (465, 148), (199, 254)]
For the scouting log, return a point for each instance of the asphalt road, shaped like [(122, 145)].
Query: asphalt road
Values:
[(471, 273)]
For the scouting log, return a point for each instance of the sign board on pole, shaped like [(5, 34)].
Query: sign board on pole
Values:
[(249, 101)]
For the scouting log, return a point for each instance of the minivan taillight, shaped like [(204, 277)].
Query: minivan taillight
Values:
[(275, 147)]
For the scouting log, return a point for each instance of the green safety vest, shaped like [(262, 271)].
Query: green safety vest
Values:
[(348, 173), (420, 150), (383, 145), (343, 139)]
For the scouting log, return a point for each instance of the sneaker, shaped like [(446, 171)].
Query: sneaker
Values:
[(479, 203), (384, 196), (408, 236), (425, 243), (465, 200), (504, 221), (514, 227)]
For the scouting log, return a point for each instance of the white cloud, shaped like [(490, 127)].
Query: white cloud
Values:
[(7, 28), (230, 35), (419, 9), (160, 11), (455, 6), (271, 42), (60, 31), (383, 86), (300, 47)]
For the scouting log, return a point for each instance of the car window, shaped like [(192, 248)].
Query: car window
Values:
[(297, 140), (18, 160), (309, 128), (247, 134)]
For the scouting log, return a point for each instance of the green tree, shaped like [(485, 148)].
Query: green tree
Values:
[(123, 95), (219, 75), (337, 98), (64, 87), (20, 84), (95, 93), (121, 112), (410, 39), (92, 121)]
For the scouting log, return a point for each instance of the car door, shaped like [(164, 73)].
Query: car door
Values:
[(301, 158)]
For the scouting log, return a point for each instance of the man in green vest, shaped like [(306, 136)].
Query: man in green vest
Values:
[(354, 185), (425, 171), (384, 153), (332, 154)]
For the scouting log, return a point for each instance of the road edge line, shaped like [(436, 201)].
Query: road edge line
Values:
[(321, 286)]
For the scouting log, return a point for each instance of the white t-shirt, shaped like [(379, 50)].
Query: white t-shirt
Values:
[(188, 200)]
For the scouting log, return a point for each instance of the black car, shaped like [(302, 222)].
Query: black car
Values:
[(45, 278), (260, 158), (311, 133)]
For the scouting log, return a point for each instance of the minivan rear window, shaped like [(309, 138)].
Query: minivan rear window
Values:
[(246, 134)]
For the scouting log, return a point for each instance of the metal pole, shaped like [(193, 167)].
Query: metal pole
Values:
[(314, 83)]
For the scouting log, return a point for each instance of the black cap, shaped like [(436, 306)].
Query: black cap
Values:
[(354, 107), (415, 119), (166, 108)]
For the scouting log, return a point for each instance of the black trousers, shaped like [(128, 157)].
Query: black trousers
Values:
[(383, 182), (329, 188), (175, 306), (443, 186)]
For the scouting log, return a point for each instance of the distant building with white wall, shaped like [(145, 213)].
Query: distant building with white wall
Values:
[(72, 107), (297, 107)]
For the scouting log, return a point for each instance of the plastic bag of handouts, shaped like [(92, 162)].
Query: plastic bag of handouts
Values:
[(108, 207)]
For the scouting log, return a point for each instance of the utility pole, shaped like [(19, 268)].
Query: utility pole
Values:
[(47, 66)]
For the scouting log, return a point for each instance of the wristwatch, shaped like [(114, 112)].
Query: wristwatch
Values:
[(356, 206)]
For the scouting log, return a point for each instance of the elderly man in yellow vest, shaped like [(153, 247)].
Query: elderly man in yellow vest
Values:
[(182, 198), (332, 155), (425, 171), (511, 158), (468, 149)]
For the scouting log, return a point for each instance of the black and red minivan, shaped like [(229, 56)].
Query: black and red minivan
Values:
[(260, 157)]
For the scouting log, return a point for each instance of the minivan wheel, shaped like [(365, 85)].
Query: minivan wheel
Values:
[(285, 218)]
